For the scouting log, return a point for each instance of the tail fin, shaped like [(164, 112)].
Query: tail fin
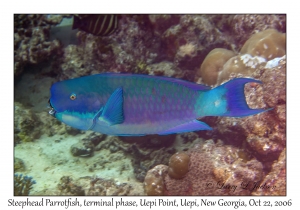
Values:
[(236, 101)]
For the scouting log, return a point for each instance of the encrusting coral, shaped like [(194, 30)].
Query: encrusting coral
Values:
[(275, 181), (214, 169)]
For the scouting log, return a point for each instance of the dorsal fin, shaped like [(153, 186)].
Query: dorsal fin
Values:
[(188, 84)]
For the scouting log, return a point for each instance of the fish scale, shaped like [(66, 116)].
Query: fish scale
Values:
[(135, 105)]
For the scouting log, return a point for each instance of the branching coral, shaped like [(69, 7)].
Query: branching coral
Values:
[(22, 184)]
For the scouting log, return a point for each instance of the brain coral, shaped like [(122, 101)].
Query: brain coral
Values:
[(194, 183), (213, 64), (268, 44), (178, 165), (243, 64)]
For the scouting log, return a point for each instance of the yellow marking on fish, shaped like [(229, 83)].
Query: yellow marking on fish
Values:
[(95, 25), (102, 25), (110, 24)]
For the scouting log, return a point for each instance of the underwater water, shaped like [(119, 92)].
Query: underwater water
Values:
[(239, 156)]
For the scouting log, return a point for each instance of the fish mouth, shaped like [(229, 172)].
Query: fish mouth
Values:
[(52, 110)]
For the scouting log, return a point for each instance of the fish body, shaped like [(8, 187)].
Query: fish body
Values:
[(136, 105), (99, 25)]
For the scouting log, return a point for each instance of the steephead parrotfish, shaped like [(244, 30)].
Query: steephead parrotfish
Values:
[(137, 105)]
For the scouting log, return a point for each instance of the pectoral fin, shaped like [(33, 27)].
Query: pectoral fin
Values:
[(113, 110), (194, 125)]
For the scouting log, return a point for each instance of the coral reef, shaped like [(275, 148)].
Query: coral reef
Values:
[(214, 169), (94, 186), (162, 22), (27, 126), (188, 40), (18, 164), (242, 26), (22, 184), (154, 183), (266, 134), (131, 48), (144, 152), (165, 68), (191, 39), (102, 187), (261, 47), (68, 187), (275, 98), (140, 39), (275, 182), (88, 145), (263, 135), (145, 40), (31, 40), (51, 126), (84, 148)]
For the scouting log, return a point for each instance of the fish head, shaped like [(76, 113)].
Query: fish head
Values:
[(73, 103)]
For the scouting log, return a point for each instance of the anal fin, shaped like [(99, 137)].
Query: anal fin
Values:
[(190, 126)]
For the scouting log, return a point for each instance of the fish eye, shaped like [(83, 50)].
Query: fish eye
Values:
[(73, 96)]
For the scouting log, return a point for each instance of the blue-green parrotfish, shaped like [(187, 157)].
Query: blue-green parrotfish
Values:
[(137, 105)]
